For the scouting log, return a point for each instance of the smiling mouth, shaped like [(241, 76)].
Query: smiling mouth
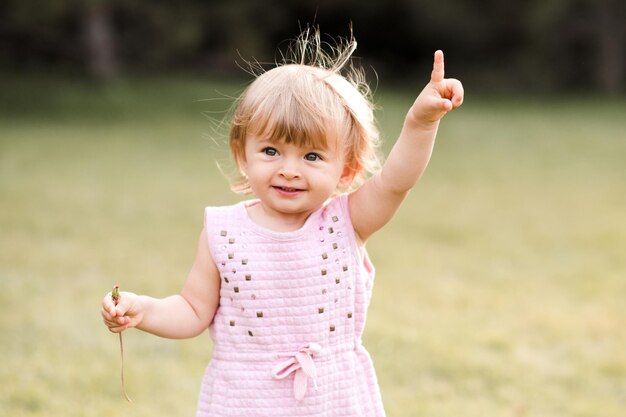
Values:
[(287, 189)]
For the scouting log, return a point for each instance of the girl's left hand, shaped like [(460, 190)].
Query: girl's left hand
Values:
[(440, 96)]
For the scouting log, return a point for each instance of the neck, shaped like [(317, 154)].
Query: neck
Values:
[(277, 221)]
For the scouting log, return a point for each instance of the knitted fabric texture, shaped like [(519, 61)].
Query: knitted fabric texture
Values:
[(287, 333)]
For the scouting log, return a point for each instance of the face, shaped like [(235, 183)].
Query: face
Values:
[(292, 181)]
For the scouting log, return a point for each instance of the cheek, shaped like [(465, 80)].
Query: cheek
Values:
[(333, 179), (258, 172), (340, 171)]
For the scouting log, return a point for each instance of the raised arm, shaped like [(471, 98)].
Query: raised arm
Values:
[(377, 200), (178, 316)]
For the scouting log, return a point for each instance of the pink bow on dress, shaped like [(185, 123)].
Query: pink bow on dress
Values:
[(302, 364)]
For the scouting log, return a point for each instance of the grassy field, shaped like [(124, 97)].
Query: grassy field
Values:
[(500, 284)]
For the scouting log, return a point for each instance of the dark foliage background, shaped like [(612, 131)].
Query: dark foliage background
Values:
[(494, 45)]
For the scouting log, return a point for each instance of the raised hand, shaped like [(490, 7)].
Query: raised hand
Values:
[(440, 96)]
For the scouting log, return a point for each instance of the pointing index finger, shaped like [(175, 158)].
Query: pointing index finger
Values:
[(438, 67)]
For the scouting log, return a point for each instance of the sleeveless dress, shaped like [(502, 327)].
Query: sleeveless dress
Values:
[(287, 332)]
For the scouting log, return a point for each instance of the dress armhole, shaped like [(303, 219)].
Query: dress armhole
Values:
[(210, 228), (344, 204)]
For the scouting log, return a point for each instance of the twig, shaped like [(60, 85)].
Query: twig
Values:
[(115, 295)]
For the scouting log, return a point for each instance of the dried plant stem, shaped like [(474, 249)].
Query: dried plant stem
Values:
[(122, 370), (115, 294)]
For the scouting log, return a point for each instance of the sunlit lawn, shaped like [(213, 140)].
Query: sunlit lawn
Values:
[(500, 284)]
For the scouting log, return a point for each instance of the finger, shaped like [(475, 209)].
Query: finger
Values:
[(108, 304), (458, 93), (123, 304), (114, 316), (111, 324), (110, 320), (446, 105), (106, 314), (117, 325), (438, 67), (117, 329)]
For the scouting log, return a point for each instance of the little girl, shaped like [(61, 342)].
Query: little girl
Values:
[(283, 281)]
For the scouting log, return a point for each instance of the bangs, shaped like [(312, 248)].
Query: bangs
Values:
[(298, 108), (291, 125)]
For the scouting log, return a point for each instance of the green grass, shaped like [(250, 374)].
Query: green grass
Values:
[(500, 283)]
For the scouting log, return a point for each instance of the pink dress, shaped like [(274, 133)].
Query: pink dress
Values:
[(287, 333)]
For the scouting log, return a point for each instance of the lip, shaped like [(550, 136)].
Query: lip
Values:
[(287, 191)]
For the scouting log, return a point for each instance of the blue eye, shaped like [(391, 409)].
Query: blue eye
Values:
[(270, 151), (312, 156)]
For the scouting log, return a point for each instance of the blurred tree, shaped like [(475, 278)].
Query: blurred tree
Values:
[(611, 41), (579, 43), (39, 33), (518, 45), (100, 44)]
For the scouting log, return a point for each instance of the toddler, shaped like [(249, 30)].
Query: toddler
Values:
[(283, 280)]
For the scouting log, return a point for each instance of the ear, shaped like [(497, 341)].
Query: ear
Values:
[(347, 176)]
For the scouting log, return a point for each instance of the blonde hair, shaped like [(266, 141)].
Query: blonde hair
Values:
[(308, 98)]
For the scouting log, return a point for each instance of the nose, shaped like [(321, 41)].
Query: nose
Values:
[(289, 169)]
